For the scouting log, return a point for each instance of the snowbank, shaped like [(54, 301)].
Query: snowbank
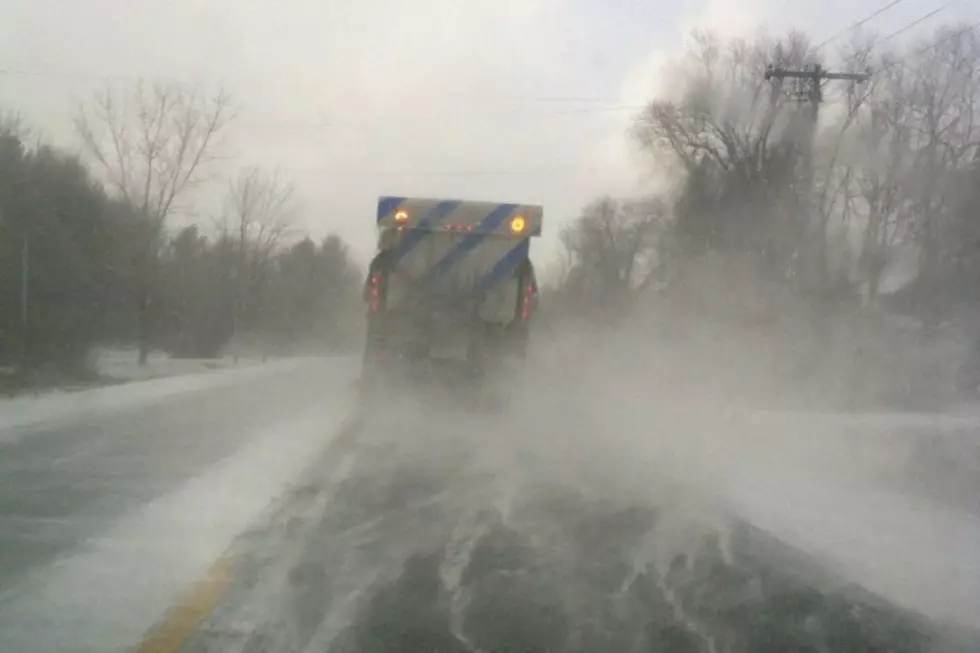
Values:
[(109, 593), (918, 553), (23, 412), (122, 364)]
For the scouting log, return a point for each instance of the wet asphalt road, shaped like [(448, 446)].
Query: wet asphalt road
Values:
[(441, 531), (414, 535), (63, 484)]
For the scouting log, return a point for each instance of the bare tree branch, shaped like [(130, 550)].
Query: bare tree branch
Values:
[(261, 209), (151, 143)]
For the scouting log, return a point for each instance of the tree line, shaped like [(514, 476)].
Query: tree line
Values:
[(825, 206), (819, 204), (90, 251)]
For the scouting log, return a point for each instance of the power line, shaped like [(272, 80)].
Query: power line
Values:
[(932, 44), (901, 30), (613, 105), (921, 49), (501, 97), (426, 119), (588, 110), (859, 23), (914, 53), (532, 98), (64, 73), (812, 80), (919, 20), (949, 37), (440, 173)]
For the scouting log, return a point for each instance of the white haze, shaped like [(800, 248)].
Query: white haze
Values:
[(446, 98), (605, 421), (886, 503), (518, 100)]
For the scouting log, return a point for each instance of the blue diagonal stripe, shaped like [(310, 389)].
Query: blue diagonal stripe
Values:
[(415, 235), (487, 226), (504, 266), (386, 205)]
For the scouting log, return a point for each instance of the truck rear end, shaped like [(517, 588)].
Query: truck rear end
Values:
[(451, 291)]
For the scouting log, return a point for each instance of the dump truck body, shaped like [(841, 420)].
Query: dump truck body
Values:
[(452, 287)]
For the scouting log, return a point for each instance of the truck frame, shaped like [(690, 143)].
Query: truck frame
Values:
[(451, 291)]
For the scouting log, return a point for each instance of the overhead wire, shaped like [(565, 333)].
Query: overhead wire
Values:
[(859, 23), (638, 107), (920, 20), (897, 32), (915, 52), (929, 45), (611, 106), (933, 43), (441, 173), (856, 24)]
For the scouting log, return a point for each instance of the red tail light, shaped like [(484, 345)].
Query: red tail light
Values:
[(375, 293), (526, 305)]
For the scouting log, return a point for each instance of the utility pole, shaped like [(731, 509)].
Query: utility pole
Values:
[(811, 80), (810, 89), (24, 267), (25, 261)]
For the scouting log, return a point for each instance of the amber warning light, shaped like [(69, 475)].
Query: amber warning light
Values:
[(517, 224), (401, 217)]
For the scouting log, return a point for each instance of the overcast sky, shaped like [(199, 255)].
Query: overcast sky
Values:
[(503, 100)]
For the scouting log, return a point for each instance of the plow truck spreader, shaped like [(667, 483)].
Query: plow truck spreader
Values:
[(450, 293)]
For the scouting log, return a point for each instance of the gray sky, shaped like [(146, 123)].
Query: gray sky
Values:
[(509, 100)]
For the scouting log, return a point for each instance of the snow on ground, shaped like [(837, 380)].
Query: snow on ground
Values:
[(919, 553), (864, 503), (19, 413), (857, 492), (122, 364), (880, 423), (107, 595), (889, 500)]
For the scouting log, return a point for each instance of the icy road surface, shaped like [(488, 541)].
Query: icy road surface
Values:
[(20, 415), (579, 521), (438, 531), (106, 516)]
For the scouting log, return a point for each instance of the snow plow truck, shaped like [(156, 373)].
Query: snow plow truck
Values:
[(450, 293)]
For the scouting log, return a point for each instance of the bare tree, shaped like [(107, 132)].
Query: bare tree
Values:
[(612, 248), (733, 134), (823, 251), (261, 208), (884, 158), (945, 94), (152, 142), (13, 125)]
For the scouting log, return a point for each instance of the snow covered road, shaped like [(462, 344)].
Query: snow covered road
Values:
[(112, 507), (20, 413), (420, 535), (110, 510)]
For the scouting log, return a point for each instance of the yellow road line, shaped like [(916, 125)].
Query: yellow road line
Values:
[(169, 635)]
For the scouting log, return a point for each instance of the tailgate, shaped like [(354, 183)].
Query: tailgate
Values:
[(469, 275)]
